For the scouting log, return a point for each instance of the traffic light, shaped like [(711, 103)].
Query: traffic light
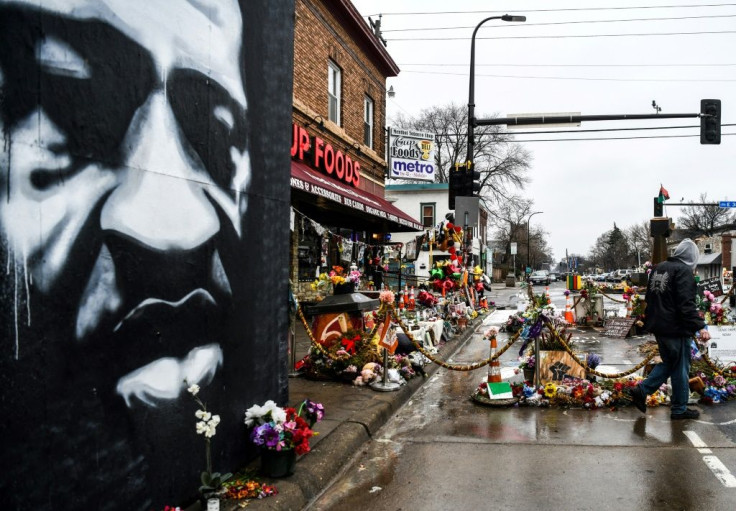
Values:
[(471, 186), (457, 178), (658, 209), (710, 121)]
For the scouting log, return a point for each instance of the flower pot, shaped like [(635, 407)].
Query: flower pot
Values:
[(529, 375), (278, 463), (345, 288)]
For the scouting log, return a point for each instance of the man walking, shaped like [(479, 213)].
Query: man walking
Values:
[(672, 317)]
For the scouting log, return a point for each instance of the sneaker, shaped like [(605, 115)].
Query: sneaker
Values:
[(638, 398), (689, 413)]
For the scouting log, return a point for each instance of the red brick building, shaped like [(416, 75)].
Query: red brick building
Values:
[(338, 141)]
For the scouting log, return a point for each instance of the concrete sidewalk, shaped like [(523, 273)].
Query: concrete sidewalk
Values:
[(353, 415)]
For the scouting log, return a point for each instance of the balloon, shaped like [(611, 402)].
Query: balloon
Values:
[(450, 226), (458, 228), (453, 257), (452, 250)]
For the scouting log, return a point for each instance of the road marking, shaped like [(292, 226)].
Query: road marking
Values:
[(695, 439), (720, 471), (712, 462)]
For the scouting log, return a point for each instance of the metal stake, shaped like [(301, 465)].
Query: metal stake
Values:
[(384, 385)]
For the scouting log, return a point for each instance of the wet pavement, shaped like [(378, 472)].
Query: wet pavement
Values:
[(429, 446), (441, 450)]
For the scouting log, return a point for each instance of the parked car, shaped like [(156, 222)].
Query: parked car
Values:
[(620, 275), (540, 277), (552, 277)]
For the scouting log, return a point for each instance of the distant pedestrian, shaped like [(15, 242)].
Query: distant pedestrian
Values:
[(671, 315)]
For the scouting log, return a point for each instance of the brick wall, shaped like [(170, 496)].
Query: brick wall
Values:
[(322, 34)]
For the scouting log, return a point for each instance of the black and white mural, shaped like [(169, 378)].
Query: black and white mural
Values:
[(136, 257)]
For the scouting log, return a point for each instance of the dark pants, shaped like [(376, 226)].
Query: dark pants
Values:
[(675, 353)]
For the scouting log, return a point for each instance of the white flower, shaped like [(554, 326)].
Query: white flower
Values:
[(199, 414), (214, 421), (253, 415), (201, 427), (209, 432), (193, 390)]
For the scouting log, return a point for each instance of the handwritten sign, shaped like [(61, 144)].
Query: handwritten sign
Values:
[(712, 284), (618, 327)]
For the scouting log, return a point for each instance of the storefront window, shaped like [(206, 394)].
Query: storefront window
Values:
[(427, 214)]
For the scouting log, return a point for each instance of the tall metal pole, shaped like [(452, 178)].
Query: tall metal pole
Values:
[(528, 240), (471, 86)]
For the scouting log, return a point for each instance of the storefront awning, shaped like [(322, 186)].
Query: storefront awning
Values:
[(386, 215)]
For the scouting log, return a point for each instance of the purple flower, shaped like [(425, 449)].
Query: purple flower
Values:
[(315, 410), (593, 360)]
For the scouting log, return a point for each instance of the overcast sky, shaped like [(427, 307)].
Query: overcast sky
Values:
[(615, 65)]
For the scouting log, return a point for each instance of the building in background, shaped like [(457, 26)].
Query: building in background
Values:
[(339, 213), (429, 203)]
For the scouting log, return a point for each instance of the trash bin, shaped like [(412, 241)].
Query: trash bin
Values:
[(510, 281)]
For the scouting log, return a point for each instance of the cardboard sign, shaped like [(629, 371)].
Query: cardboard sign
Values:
[(722, 344), (618, 327), (555, 365), (712, 284), (500, 390)]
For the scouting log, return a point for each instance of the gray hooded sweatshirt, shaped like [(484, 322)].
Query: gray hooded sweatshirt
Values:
[(687, 252)]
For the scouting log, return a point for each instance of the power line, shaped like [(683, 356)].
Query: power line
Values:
[(577, 9), (580, 22), (612, 138), (582, 36), (700, 79), (432, 64)]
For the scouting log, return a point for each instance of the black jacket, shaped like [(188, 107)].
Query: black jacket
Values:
[(671, 310)]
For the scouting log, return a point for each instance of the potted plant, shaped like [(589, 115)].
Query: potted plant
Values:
[(527, 365), (206, 425), (282, 434)]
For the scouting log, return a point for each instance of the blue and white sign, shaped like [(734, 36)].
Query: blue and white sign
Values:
[(411, 155), (727, 204)]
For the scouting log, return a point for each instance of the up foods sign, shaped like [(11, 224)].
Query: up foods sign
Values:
[(411, 155)]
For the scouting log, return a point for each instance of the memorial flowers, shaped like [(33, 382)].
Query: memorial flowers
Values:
[(276, 428), (207, 426), (711, 309)]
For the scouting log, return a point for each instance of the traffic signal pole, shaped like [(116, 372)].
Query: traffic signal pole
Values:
[(570, 119)]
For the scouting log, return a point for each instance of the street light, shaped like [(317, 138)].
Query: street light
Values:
[(528, 246), (471, 91)]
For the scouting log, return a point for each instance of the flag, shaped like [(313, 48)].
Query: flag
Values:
[(663, 194)]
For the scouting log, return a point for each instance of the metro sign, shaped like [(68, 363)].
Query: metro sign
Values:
[(727, 204)]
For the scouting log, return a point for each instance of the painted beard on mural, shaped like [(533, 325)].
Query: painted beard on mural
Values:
[(124, 175)]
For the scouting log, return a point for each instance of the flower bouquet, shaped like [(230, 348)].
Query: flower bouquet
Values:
[(285, 431), (343, 360), (711, 309)]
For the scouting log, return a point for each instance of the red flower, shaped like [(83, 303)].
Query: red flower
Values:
[(618, 386)]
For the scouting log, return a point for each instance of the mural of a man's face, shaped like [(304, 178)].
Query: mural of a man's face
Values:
[(123, 175)]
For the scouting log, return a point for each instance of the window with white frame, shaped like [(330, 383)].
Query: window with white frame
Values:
[(368, 121), (334, 86), (427, 214)]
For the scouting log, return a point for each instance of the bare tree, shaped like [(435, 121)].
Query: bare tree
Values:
[(509, 222), (502, 163), (705, 220), (640, 242)]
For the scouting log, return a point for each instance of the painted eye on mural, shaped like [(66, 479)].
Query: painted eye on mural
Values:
[(91, 105), (211, 121), (58, 58)]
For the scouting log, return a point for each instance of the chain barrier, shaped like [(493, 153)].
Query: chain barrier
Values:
[(731, 371), (447, 365), (585, 365), (610, 297), (390, 309)]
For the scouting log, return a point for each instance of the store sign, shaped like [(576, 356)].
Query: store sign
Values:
[(411, 155), (321, 155)]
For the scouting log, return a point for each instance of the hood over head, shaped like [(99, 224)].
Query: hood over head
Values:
[(687, 252)]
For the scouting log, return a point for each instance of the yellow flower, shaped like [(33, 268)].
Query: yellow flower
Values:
[(550, 390)]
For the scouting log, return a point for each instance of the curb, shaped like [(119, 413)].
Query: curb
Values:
[(316, 470)]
